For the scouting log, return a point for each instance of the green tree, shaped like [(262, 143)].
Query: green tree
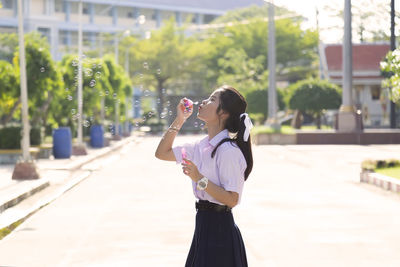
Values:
[(8, 43), (95, 85), (390, 68), (168, 59), (43, 77), (257, 102), (9, 92), (314, 97)]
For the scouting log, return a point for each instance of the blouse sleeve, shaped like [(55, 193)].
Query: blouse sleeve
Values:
[(232, 164), (181, 150)]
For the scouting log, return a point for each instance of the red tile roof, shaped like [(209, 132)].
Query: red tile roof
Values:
[(365, 56)]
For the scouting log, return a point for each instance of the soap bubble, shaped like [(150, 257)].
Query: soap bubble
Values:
[(67, 89), (88, 72), (92, 83), (146, 93), (73, 111), (170, 112), (94, 66), (163, 91), (86, 123), (42, 69), (69, 97), (141, 76), (115, 95), (158, 71), (146, 65), (98, 75), (106, 92), (75, 62), (168, 103), (137, 103), (196, 124), (158, 100)]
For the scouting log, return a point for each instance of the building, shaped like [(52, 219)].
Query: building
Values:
[(58, 19), (367, 92)]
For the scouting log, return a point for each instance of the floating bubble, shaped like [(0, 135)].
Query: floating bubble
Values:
[(98, 75), (92, 83), (74, 117), (75, 62), (163, 115), (168, 103), (99, 66), (69, 97), (144, 118), (67, 89), (115, 95), (94, 66), (202, 125), (141, 76), (91, 118), (170, 112), (42, 69), (158, 100), (106, 92), (146, 93), (105, 108), (196, 124), (86, 123), (88, 72), (137, 103), (196, 103), (150, 114), (73, 111), (158, 71), (146, 65), (137, 124), (101, 94)]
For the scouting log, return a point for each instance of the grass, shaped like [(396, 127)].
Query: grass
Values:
[(6, 230), (392, 172), (285, 129)]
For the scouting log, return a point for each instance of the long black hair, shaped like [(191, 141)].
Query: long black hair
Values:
[(232, 102)]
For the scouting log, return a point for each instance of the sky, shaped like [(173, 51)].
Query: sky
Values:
[(329, 25)]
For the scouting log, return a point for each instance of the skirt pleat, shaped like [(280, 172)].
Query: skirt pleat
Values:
[(217, 241)]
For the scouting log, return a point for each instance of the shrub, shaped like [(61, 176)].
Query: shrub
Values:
[(10, 137)]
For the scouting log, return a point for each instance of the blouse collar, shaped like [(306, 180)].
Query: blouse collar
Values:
[(221, 135)]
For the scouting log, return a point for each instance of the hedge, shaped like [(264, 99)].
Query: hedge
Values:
[(10, 137)]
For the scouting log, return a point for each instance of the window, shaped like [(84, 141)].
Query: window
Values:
[(59, 6), (375, 92), (7, 4), (208, 18)]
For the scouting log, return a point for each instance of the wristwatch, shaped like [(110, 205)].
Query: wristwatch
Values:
[(202, 183)]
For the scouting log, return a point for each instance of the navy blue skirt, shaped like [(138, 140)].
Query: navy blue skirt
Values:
[(217, 241)]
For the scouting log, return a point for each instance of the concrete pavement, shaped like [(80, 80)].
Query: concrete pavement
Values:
[(302, 206)]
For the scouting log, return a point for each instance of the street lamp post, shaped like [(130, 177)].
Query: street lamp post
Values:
[(392, 47), (272, 97), (80, 149), (347, 115), (24, 169)]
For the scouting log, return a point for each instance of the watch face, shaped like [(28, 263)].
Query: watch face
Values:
[(202, 184)]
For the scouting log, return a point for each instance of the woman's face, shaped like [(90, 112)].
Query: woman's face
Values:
[(208, 108)]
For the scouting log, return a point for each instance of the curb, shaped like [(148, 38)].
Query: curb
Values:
[(380, 180), (12, 215), (23, 193)]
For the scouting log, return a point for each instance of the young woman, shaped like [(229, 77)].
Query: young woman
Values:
[(218, 166)]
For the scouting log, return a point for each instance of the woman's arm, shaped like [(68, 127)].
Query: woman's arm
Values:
[(164, 149), (228, 198)]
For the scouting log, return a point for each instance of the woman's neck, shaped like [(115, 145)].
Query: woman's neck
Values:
[(213, 130)]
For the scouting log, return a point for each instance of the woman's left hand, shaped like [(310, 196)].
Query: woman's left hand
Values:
[(190, 169)]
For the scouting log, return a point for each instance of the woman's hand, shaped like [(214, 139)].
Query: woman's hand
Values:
[(190, 169), (181, 113)]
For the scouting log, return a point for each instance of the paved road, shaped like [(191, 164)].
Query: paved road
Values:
[(302, 206)]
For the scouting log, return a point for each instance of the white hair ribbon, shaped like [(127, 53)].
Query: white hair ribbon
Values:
[(248, 125)]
